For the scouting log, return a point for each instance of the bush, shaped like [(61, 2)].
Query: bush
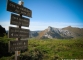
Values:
[(4, 47)]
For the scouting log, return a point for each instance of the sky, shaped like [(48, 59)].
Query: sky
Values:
[(54, 13)]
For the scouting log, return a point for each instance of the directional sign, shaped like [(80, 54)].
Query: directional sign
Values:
[(18, 45), (16, 8), (21, 21), (18, 33)]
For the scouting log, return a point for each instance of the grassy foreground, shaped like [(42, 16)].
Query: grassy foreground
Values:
[(52, 49)]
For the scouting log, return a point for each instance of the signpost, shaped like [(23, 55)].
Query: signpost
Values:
[(21, 21), (18, 45), (16, 8), (18, 32)]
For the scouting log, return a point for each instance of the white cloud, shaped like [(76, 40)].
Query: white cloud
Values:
[(43, 25)]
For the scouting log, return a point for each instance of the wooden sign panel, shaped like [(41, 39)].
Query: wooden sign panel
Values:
[(20, 21), (18, 33), (18, 45), (16, 8)]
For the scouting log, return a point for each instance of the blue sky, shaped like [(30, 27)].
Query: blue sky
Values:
[(55, 13)]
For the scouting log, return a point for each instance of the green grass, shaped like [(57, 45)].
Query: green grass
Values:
[(52, 49)]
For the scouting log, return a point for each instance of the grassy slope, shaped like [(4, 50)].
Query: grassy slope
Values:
[(51, 49)]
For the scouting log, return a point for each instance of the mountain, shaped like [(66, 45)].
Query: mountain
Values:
[(34, 33), (51, 32)]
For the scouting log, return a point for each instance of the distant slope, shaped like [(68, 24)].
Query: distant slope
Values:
[(34, 34), (78, 32)]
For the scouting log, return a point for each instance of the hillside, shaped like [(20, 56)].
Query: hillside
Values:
[(78, 32)]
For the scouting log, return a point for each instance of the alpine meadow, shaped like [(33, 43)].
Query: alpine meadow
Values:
[(41, 29)]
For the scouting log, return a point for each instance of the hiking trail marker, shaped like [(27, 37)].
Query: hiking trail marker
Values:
[(18, 32), (21, 21)]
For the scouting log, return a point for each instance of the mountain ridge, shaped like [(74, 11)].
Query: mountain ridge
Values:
[(67, 32)]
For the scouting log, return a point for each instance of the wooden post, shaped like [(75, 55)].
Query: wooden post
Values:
[(17, 53)]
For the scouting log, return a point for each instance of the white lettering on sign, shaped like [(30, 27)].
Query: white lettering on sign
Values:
[(16, 8), (21, 21)]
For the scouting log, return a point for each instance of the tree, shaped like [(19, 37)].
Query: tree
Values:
[(2, 31)]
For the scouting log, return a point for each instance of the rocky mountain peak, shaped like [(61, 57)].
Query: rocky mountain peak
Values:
[(52, 32), (49, 28)]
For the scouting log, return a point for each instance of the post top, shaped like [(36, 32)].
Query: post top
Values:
[(20, 2)]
